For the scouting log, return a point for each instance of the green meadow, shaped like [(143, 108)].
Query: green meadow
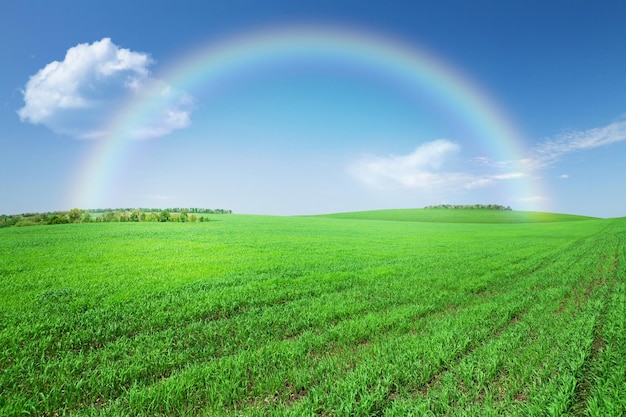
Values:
[(382, 313)]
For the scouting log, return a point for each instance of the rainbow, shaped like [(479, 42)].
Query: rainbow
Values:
[(215, 63)]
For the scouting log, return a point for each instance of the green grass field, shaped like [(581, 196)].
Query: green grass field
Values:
[(389, 313), (458, 216)]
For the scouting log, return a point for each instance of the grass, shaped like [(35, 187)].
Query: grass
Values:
[(439, 215), (260, 315)]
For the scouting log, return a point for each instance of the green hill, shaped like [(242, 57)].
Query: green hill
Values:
[(458, 216)]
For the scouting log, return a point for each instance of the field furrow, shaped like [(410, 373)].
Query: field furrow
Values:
[(258, 315)]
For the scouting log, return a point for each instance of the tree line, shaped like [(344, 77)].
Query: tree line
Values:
[(170, 209), (76, 215), (470, 206)]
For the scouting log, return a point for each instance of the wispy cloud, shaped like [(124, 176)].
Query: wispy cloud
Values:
[(551, 151), (80, 95), (419, 169), (489, 179), (437, 168), (424, 169)]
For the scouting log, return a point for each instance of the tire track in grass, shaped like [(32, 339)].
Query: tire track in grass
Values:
[(324, 342), (446, 310), (167, 371), (438, 379), (353, 316), (543, 267), (95, 319), (449, 361), (495, 387), (234, 349), (477, 298), (439, 383), (606, 275), (554, 390), (606, 395), (148, 333), (441, 345)]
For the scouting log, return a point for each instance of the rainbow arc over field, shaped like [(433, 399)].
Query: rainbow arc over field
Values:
[(214, 63)]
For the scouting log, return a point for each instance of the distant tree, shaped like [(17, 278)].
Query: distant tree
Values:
[(134, 216), (178, 214), (472, 206), (74, 215), (58, 219), (164, 216)]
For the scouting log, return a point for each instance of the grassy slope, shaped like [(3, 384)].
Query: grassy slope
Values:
[(256, 315), (458, 216)]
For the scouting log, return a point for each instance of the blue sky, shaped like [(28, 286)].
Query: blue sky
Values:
[(320, 135)]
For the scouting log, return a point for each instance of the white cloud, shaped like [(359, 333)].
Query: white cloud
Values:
[(427, 169), (423, 169), (551, 151), (419, 169), (80, 95), (509, 176), (492, 178)]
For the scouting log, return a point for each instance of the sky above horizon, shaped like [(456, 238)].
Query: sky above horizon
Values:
[(293, 108)]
